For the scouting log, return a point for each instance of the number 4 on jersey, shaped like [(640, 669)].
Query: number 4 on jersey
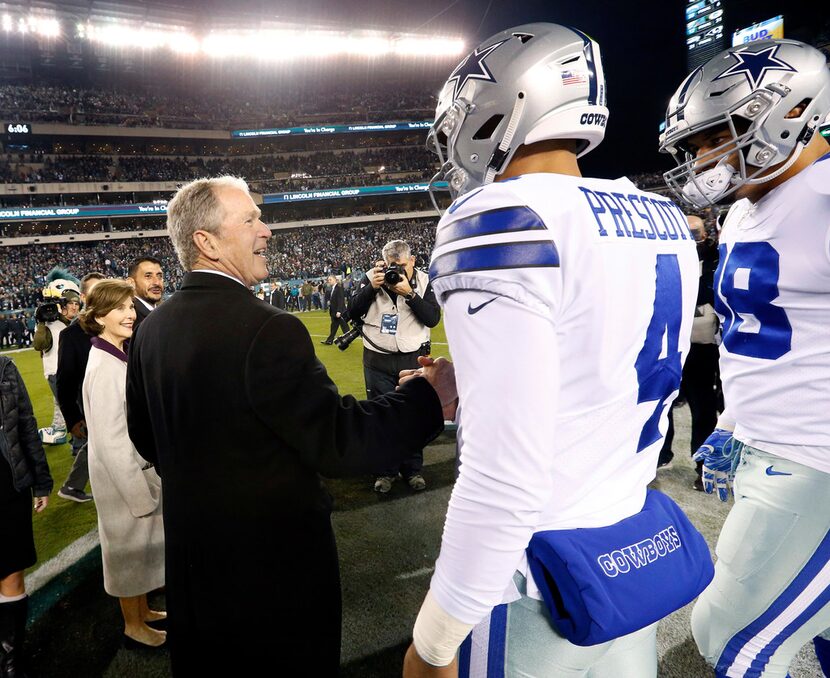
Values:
[(658, 377)]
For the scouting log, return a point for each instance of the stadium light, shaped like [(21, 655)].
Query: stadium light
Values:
[(269, 44), (369, 46), (225, 45), (48, 28), (125, 35), (436, 46), (185, 43), (280, 45)]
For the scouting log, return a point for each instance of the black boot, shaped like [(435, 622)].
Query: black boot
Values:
[(12, 631)]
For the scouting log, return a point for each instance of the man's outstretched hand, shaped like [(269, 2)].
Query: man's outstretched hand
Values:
[(415, 667), (440, 373)]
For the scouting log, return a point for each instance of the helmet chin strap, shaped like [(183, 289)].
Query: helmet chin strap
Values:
[(440, 175), (803, 140), (497, 159), (777, 173)]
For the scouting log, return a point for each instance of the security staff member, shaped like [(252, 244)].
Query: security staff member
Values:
[(396, 321)]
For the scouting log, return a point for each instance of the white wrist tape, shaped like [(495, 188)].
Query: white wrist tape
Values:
[(437, 635), (726, 421)]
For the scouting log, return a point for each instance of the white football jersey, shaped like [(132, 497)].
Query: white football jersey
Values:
[(772, 293), (568, 305)]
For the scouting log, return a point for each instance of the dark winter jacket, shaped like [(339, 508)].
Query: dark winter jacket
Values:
[(21, 446)]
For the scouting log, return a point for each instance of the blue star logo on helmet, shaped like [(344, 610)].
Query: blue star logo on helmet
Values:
[(473, 68), (755, 65)]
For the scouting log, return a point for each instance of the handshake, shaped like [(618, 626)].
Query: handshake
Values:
[(440, 373)]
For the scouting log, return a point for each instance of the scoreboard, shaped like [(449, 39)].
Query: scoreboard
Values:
[(704, 31), (17, 134)]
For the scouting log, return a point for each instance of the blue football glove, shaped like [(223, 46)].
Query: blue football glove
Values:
[(720, 458)]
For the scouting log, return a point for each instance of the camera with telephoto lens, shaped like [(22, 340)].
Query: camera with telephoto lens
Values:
[(393, 274), (345, 340)]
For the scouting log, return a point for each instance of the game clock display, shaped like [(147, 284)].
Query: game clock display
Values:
[(18, 133)]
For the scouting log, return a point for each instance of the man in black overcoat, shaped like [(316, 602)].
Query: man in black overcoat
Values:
[(337, 310), (226, 397), (277, 297)]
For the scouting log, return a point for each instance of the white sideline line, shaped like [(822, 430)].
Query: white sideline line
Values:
[(415, 573), (61, 562)]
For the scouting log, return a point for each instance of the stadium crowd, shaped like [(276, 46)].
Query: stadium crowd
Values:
[(141, 107), (292, 254), (208, 147), (73, 168), (648, 181)]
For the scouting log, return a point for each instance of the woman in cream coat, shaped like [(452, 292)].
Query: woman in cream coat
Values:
[(127, 489)]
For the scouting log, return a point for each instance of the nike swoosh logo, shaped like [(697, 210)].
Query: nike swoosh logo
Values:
[(472, 310), (770, 472)]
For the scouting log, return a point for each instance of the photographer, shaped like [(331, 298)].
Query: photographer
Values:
[(397, 307)]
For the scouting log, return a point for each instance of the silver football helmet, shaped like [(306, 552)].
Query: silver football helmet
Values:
[(749, 90), (526, 84)]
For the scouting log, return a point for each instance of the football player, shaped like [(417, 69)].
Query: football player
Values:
[(568, 306), (744, 126)]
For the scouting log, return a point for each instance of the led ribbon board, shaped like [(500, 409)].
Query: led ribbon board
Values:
[(331, 129), (155, 209)]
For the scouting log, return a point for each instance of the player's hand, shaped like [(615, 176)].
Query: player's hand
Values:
[(376, 275), (41, 503), (415, 667), (719, 454)]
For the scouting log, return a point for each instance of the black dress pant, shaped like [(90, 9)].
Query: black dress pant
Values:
[(700, 386), (379, 382), (335, 323)]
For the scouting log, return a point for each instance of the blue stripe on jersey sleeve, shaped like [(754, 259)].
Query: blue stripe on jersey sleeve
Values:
[(502, 220), (535, 254)]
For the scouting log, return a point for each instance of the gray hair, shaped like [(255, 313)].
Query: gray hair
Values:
[(196, 207), (394, 250)]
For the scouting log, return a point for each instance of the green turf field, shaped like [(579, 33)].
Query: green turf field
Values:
[(64, 521)]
